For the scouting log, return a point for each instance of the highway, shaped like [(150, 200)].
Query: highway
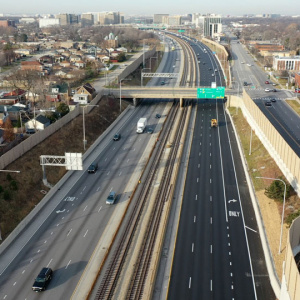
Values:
[(280, 114), (218, 254), (64, 235), (214, 247)]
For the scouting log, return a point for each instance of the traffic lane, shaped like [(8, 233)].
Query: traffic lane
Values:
[(184, 277), (262, 281), (63, 209), (239, 247)]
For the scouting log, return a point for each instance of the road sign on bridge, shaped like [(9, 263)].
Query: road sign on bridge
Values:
[(211, 93)]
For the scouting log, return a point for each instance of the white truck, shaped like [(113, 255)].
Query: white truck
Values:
[(141, 125)]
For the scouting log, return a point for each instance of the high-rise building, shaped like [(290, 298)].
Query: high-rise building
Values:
[(64, 19), (158, 18), (87, 19), (210, 25), (107, 18)]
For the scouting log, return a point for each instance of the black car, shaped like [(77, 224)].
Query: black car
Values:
[(268, 103), (93, 168), (150, 130), (117, 136), (42, 280), (157, 116), (245, 83), (273, 100)]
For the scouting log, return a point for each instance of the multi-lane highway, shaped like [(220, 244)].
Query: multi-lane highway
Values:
[(280, 114), (218, 253)]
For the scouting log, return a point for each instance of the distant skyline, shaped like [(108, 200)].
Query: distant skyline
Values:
[(142, 7)]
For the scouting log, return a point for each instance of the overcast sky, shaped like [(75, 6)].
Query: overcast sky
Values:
[(143, 7)]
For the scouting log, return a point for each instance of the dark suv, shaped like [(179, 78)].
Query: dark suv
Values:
[(42, 280), (93, 168)]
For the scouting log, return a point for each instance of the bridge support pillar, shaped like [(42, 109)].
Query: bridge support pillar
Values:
[(181, 102), (135, 103)]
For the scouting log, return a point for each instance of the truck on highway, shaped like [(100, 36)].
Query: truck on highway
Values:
[(141, 125), (214, 123)]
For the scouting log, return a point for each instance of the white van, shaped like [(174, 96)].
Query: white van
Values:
[(111, 198)]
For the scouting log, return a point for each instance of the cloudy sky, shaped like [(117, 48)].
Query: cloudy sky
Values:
[(143, 7)]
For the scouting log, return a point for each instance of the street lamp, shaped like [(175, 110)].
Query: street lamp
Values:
[(83, 121), (121, 90), (10, 171), (142, 75), (283, 206)]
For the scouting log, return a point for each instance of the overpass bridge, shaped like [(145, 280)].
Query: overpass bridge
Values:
[(181, 93)]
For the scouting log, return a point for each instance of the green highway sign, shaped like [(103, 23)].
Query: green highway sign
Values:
[(211, 93), (181, 30)]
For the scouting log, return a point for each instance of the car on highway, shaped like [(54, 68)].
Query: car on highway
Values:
[(212, 74), (150, 130), (93, 168), (249, 65), (273, 100), (274, 90), (242, 62), (157, 116), (267, 82), (268, 103), (268, 90), (117, 136), (245, 83), (162, 83), (111, 198), (42, 280)]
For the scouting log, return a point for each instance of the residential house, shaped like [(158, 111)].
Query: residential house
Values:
[(23, 52), (80, 64), (65, 64), (58, 92), (84, 94), (75, 58), (65, 73), (13, 97), (31, 65), (11, 111), (39, 123)]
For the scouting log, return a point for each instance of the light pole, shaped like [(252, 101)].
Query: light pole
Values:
[(83, 125), (142, 75), (10, 171), (283, 206), (121, 91)]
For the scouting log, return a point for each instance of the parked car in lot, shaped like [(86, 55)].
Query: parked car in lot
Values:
[(117, 136), (93, 168), (42, 280)]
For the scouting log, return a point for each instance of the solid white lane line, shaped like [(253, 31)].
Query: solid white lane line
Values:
[(49, 262), (68, 264)]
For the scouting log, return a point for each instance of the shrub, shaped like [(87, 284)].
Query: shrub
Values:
[(6, 195), (13, 185)]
